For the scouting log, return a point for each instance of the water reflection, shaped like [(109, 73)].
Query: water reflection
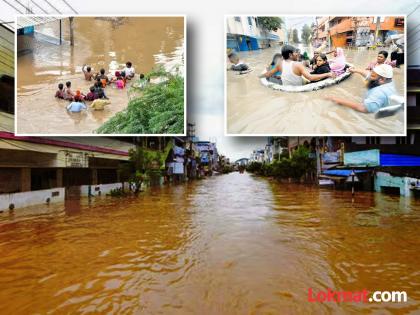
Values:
[(232, 244)]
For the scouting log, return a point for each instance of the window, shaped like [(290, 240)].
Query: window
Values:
[(237, 18), (249, 20), (399, 22)]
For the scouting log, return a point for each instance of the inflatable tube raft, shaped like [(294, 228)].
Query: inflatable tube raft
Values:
[(306, 87)]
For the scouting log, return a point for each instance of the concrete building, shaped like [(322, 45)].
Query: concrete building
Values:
[(242, 162), (243, 34), (7, 81), (341, 31), (413, 71), (257, 156), (35, 170)]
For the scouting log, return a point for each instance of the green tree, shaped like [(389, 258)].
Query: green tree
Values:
[(295, 36), (270, 23), (306, 33), (156, 108)]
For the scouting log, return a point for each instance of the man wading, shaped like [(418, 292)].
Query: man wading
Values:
[(292, 71), (380, 88)]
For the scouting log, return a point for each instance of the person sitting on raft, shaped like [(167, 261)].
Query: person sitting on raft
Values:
[(293, 71), (312, 63), (322, 65), (87, 71), (381, 59), (338, 64), (237, 64), (60, 92), (276, 77), (380, 88)]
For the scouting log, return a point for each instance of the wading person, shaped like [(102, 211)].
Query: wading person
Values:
[(292, 71), (87, 71), (129, 70), (381, 59), (380, 88), (76, 107)]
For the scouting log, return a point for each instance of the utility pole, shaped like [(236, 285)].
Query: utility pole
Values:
[(71, 19), (378, 28)]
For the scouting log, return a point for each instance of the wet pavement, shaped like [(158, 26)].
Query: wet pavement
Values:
[(255, 109), (102, 43), (230, 244)]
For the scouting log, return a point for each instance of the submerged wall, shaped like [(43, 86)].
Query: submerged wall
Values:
[(31, 198)]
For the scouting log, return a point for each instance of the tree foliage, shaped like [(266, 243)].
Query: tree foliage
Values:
[(270, 23), (157, 109), (295, 36), (306, 33), (295, 167)]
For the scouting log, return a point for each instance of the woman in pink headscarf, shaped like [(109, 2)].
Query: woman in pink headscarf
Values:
[(338, 64)]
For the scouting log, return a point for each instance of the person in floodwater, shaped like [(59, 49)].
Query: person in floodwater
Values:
[(312, 62), (87, 71), (380, 89), (293, 72), (129, 70), (381, 59), (91, 96), (68, 93), (276, 77), (102, 77), (237, 64), (79, 97), (322, 65), (99, 91), (60, 92), (76, 107), (338, 64)]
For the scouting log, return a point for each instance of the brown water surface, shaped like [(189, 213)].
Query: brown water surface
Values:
[(255, 109), (232, 244), (99, 42)]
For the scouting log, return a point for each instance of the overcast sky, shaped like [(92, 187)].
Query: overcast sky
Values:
[(206, 45)]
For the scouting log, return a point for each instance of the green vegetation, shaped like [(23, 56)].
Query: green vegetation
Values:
[(270, 23), (306, 33), (299, 165), (156, 108), (295, 36)]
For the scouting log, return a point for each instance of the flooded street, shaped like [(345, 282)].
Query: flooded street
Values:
[(100, 42), (231, 244), (255, 109)]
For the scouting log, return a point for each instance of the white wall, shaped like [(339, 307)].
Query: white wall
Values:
[(97, 190), (31, 198)]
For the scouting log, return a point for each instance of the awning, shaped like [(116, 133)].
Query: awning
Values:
[(343, 173), (26, 21)]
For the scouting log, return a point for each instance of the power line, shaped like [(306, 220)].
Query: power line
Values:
[(11, 5), (418, 6), (28, 10), (49, 3), (39, 7), (69, 6)]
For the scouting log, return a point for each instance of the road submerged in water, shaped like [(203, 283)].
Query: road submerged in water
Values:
[(230, 244)]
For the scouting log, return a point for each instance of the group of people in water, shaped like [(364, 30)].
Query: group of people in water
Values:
[(292, 68), (96, 93)]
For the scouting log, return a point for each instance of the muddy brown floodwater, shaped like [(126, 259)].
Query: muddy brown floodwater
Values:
[(231, 244), (101, 43), (255, 109)]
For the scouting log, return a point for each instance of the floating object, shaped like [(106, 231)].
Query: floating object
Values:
[(314, 86)]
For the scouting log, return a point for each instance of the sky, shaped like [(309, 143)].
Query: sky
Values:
[(205, 41), (298, 22)]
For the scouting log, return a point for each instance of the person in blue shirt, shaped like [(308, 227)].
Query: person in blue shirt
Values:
[(380, 88), (76, 107)]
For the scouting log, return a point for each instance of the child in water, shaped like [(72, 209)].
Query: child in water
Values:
[(102, 77), (68, 93), (129, 70), (237, 65), (87, 71), (143, 81), (120, 82), (91, 96), (79, 97), (60, 92)]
